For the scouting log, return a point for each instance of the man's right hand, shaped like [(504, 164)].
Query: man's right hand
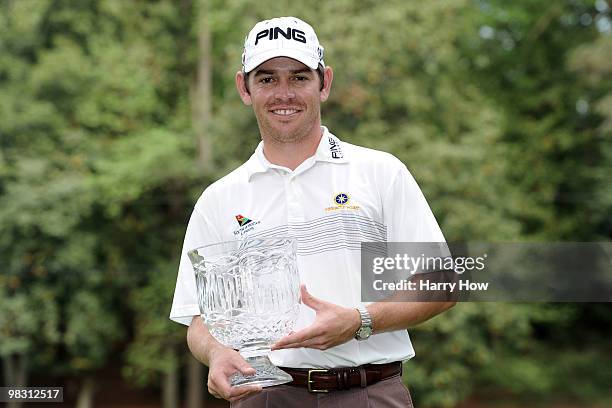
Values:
[(225, 362), (222, 362)]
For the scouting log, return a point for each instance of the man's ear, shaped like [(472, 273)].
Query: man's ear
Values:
[(242, 88), (328, 77)]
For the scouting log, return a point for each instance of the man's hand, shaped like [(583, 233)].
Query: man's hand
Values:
[(333, 325), (224, 362)]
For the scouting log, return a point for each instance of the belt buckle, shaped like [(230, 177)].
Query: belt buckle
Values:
[(310, 389)]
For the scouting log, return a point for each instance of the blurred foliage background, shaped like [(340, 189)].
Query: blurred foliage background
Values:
[(115, 115)]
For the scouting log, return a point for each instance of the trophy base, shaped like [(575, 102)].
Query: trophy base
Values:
[(266, 374)]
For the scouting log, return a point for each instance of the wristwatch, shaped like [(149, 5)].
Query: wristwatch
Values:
[(365, 330)]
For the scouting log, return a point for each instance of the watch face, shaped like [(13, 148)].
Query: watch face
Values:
[(364, 332)]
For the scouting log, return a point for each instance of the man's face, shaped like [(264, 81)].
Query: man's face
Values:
[(286, 96)]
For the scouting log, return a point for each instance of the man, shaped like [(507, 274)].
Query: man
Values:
[(303, 182)]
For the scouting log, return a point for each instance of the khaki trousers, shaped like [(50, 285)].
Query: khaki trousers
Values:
[(389, 393)]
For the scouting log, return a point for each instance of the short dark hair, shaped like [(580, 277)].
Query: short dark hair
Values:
[(320, 70)]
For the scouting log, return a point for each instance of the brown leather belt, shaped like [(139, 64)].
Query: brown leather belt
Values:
[(325, 380)]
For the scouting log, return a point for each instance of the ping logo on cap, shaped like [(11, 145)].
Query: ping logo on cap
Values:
[(273, 33), (282, 37)]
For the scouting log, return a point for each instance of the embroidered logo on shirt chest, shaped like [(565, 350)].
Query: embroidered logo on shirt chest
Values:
[(246, 225), (342, 201)]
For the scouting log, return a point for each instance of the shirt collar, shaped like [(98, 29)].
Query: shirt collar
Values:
[(330, 150)]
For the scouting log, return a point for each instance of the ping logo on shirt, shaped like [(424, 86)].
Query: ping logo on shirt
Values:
[(334, 148), (242, 220), (272, 34)]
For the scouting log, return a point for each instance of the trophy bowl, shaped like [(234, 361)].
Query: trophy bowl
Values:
[(249, 294)]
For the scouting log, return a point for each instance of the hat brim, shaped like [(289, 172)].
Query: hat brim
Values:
[(297, 55)]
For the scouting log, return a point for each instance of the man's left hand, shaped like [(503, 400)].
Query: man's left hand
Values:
[(333, 325)]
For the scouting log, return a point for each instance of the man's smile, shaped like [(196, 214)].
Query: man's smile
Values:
[(285, 111)]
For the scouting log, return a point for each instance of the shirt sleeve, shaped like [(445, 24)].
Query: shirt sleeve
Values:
[(199, 232), (406, 213)]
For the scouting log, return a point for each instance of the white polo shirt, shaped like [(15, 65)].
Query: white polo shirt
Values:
[(333, 201)]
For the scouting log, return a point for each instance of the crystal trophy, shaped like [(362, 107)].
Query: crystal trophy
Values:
[(249, 294)]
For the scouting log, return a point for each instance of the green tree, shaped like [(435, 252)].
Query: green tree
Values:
[(95, 172), (115, 115)]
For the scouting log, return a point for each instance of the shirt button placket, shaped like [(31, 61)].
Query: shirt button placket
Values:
[(293, 201)]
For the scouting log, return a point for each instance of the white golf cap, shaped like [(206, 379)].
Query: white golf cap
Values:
[(282, 37)]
